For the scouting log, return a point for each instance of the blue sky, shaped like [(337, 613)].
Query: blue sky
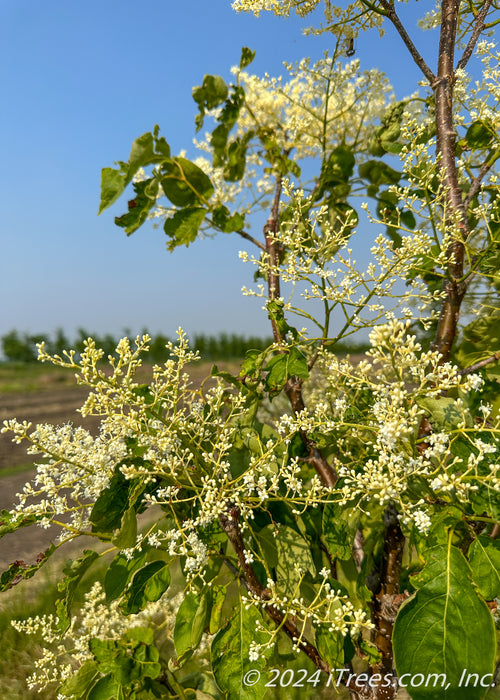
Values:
[(79, 82)]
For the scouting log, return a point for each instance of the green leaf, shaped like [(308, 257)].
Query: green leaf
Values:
[(74, 571), (484, 556), (193, 617), (218, 598), (113, 184), (480, 134), (107, 688), (379, 173), (183, 226), (227, 222), (120, 572), (330, 646), (115, 180), (126, 537), (291, 362), (139, 634), (146, 658), (210, 94), (19, 570), (481, 339), (384, 139), (444, 629), (230, 651), (185, 184), (236, 159), (336, 531), (10, 522), (443, 412), (247, 56), (338, 168), (146, 192), (148, 585), (78, 684), (294, 553), (111, 504)]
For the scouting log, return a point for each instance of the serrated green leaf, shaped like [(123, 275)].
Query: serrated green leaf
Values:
[(484, 557), (74, 571), (183, 226), (444, 628)]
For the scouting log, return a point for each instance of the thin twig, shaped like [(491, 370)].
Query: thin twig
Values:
[(414, 52), (478, 28), (480, 364), (253, 240), (476, 182)]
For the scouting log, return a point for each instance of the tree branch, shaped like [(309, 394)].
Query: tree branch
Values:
[(414, 52), (230, 524), (480, 364), (387, 598), (476, 182), (293, 387), (253, 240), (446, 137), (478, 28)]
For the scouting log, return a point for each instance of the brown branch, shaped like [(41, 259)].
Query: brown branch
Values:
[(293, 387), (476, 182), (414, 52), (387, 598), (230, 525), (478, 28), (480, 364), (253, 240), (446, 136)]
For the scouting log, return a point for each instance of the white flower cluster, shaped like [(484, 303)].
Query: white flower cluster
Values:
[(97, 619)]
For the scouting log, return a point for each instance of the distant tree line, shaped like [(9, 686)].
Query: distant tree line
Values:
[(21, 347)]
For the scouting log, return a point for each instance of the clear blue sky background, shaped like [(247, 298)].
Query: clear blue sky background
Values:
[(80, 81)]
